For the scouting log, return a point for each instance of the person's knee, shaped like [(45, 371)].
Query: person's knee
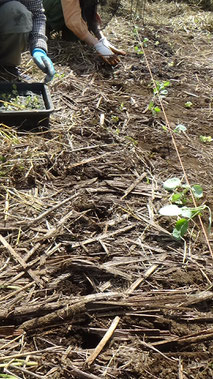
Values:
[(15, 18)]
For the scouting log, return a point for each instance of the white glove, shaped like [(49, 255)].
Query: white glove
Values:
[(108, 52)]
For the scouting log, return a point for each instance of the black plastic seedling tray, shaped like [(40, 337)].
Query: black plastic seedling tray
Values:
[(24, 118)]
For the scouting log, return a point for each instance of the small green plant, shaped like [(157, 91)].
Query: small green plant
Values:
[(145, 42), (205, 139), (122, 107), (180, 128), (138, 50), (59, 75), (135, 30), (115, 119), (153, 108), (140, 44), (188, 104), (178, 207), (160, 88), (13, 101)]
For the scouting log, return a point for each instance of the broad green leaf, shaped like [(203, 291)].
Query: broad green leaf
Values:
[(180, 128), (170, 210), (180, 228), (171, 184), (177, 198), (187, 212), (197, 191)]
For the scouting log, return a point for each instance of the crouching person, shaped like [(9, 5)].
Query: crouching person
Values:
[(22, 26), (79, 18)]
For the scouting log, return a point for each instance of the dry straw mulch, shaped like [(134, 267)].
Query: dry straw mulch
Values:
[(93, 285)]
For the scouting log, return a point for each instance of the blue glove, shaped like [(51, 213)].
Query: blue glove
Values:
[(44, 63)]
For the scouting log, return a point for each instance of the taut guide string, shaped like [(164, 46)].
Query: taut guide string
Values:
[(175, 145)]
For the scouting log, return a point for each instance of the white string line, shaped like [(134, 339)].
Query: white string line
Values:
[(175, 146)]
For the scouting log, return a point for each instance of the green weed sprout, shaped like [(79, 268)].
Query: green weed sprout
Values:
[(180, 128), (153, 108), (178, 208), (188, 104), (205, 139), (160, 88)]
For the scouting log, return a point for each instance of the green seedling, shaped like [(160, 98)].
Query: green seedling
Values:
[(13, 101), (177, 207), (153, 108), (145, 42), (188, 104), (206, 139), (59, 75), (160, 88), (139, 47), (115, 119), (180, 128), (138, 50), (122, 107), (135, 30)]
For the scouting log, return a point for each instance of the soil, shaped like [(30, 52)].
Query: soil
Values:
[(83, 245)]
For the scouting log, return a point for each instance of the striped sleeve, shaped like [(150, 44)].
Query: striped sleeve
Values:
[(38, 37)]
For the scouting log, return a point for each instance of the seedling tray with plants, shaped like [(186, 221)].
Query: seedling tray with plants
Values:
[(25, 105)]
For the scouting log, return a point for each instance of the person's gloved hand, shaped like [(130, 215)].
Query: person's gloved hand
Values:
[(108, 52), (44, 63)]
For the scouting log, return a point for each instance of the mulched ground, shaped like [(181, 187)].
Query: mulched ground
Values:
[(85, 254)]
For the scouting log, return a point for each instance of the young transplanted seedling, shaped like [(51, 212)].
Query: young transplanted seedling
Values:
[(179, 198), (206, 139), (159, 91)]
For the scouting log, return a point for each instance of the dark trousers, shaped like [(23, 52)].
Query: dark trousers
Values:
[(15, 27)]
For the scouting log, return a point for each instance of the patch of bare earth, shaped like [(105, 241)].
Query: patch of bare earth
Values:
[(85, 255)]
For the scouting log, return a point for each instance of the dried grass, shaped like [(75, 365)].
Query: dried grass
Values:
[(81, 239)]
